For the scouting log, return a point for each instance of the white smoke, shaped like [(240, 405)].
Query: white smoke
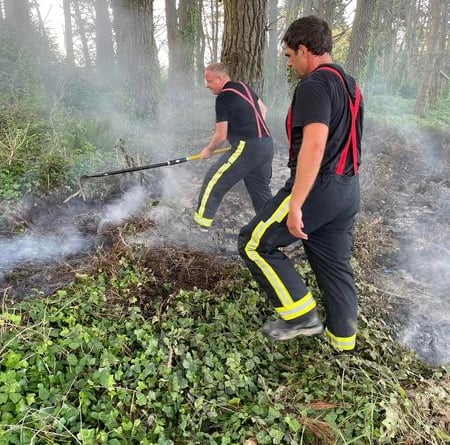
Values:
[(130, 204), (21, 249)]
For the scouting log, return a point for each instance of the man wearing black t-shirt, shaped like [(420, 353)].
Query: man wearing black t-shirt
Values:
[(240, 120), (319, 202)]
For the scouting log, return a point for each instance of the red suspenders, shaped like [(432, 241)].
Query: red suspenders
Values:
[(352, 137), (251, 102)]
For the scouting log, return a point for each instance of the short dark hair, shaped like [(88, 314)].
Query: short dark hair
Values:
[(312, 32)]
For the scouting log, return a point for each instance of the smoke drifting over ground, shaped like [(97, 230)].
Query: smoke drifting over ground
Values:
[(29, 247), (407, 181)]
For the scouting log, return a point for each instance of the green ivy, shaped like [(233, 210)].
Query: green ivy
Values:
[(84, 366)]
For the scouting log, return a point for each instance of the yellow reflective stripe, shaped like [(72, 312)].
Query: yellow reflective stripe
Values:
[(215, 178), (205, 222), (297, 308), (341, 343), (253, 243)]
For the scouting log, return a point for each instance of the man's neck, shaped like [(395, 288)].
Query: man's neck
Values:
[(315, 61)]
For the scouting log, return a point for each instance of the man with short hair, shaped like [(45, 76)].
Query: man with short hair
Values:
[(240, 117), (320, 200)]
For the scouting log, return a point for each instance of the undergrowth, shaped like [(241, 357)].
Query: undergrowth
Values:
[(86, 366)]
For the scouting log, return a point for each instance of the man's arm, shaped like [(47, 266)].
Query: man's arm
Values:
[(219, 136), (308, 165)]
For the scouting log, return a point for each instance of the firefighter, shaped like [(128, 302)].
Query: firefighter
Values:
[(319, 201), (240, 117)]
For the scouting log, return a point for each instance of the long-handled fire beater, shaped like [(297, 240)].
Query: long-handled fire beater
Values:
[(141, 167)]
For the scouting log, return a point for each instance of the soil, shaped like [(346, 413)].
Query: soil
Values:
[(404, 219)]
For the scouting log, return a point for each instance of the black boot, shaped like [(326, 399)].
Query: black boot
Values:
[(307, 325)]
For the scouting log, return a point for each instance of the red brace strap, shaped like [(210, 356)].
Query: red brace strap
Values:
[(354, 107), (249, 100)]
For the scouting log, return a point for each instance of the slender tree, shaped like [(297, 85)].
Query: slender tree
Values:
[(68, 32), (212, 19), (440, 78), (40, 21), (429, 70), (273, 47), (244, 40), (215, 25), (81, 30), (184, 28), (200, 44)]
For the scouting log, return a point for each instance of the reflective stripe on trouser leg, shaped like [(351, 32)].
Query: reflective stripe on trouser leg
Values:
[(341, 343), (272, 269), (207, 205)]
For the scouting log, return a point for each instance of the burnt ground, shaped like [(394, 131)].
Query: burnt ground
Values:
[(402, 239)]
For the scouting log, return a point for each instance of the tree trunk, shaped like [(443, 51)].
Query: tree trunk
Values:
[(308, 7), (215, 30), (68, 36), (200, 45), (360, 39), (408, 58), (440, 78), (103, 40), (188, 24), (272, 50), (137, 53), (17, 18), (173, 44), (433, 29), (80, 26), (243, 41), (292, 8), (182, 31)]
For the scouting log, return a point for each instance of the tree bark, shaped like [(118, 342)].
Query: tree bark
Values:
[(433, 29), (17, 18), (243, 41), (103, 40), (137, 55), (360, 39), (440, 78)]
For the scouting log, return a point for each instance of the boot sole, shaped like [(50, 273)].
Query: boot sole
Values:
[(306, 332)]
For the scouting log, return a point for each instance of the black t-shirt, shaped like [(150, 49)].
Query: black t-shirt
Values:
[(322, 97), (239, 114)]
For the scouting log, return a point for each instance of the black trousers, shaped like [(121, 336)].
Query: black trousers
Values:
[(328, 216), (249, 160)]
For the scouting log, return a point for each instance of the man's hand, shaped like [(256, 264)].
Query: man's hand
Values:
[(295, 224), (206, 153)]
